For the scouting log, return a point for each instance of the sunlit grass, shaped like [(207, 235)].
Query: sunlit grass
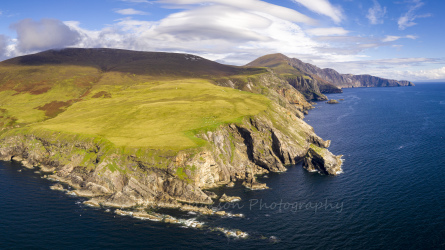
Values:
[(161, 115)]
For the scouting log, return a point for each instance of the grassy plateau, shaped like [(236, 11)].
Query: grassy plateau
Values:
[(140, 108)]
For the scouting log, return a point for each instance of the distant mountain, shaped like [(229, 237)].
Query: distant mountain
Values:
[(311, 85), (328, 75), (127, 61)]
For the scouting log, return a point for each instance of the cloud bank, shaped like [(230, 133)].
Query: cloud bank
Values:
[(323, 7), (252, 5), (43, 34)]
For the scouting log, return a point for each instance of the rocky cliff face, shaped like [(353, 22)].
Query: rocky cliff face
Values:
[(346, 80), (310, 85), (118, 177), (266, 143)]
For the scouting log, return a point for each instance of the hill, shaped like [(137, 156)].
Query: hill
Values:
[(326, 75), (127, 128), (133, 62), (312, 86)]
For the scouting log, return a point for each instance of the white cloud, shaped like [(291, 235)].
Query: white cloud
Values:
[(214, 22), (422, 75), (252, 5), (323, 7), (333, 31), (130, 11), (403, 61), (223, 33), (376, 13), (43, 34), (391, 38), (411, 37), (395, 38), (137, 1), (407, 20), (392, 68)]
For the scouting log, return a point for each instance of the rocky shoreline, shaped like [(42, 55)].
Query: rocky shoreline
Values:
[(235, 152), (142, 178), (174, 191)]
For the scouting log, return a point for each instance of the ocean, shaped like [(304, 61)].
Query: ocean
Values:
[(390, 196)]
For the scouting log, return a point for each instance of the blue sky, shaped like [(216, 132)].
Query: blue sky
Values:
[(398, 39)]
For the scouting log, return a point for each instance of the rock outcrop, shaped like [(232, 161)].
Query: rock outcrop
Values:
[(332, 101), (225, 198), (322, 161)]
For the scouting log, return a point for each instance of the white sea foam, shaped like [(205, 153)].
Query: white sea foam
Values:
[(72, 193), (193, 223), (233, 233)]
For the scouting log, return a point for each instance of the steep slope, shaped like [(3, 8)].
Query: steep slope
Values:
[(141, 136), (345, 80), (311, 85)]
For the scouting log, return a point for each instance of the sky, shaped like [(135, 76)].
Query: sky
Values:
[(396, 39)]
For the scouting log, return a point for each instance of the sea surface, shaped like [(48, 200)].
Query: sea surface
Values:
[(390, 196)]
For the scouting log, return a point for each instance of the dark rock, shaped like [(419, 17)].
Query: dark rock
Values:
[(322, 161), (332, 101), (225, 198)]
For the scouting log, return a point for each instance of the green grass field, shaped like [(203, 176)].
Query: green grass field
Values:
[(159, 115), (133, 99)]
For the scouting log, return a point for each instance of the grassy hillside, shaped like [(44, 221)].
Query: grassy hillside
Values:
[(311, 85), (162, 115), (132, 99)]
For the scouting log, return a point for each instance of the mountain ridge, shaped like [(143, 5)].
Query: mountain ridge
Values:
[(327, 74), (128, 61), (312, 86)]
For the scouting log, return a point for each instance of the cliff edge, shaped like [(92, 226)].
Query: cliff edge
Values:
[(127, 136)]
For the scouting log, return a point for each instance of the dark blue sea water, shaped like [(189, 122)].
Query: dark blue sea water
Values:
[(391, 194)]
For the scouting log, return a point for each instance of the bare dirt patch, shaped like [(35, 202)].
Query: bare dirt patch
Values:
[(54, 108)]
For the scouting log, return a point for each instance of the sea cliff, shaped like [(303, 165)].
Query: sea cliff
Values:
[(118, 178), (143, 129)]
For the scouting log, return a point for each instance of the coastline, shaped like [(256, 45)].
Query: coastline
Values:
[(169, 188)]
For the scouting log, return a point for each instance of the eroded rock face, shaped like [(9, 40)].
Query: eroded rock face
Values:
[(268, 142), (346, 80), (322, 161)]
